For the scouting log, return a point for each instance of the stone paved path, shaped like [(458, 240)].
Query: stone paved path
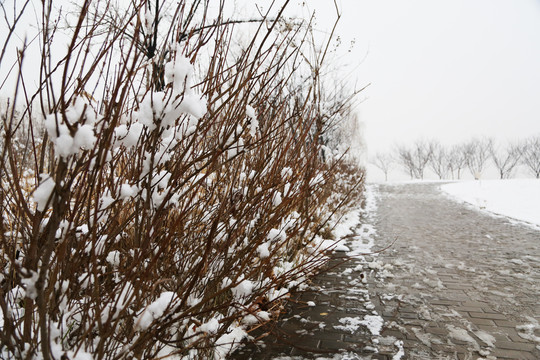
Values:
[(456, 284)]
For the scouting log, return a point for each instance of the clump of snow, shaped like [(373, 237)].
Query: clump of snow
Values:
[(263, 250), (29, 284), (460, 334), (515, 198), (276, 199), (375, 265), (166, 301), (263, 315), (253, 122), (128, 137), (487, 338), (401, 351), (317, 180), (179, 73), (276, 235), (250, 112), (374, 323), (113, 258), (341, 247), (286, 172), (228, 342), (243, 289), (370, 306), (193, 105), (350, 324), (211, 326), (80, 110), (250, 320), (274, 294), (43, 192), (346, 223), (527, 331), (83, 138), (127, 191)]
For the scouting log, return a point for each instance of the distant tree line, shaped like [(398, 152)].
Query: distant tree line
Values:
[(449, 162)]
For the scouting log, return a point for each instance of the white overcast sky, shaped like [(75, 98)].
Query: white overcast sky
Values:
[(443, 69)]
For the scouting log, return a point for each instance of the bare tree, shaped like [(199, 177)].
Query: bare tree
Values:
[(415, 159), (506, 159), (405, 157), (477, 152), (439, 160), (530, 155), (383, 161), (457, 160)]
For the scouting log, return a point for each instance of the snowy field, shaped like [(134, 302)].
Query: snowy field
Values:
[(516, 198)]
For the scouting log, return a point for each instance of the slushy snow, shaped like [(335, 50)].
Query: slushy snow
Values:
[(374, 323)]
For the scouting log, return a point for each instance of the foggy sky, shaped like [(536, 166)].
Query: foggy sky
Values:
[(447, 70)]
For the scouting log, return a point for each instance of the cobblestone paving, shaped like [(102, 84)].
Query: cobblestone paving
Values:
[(456, 284)]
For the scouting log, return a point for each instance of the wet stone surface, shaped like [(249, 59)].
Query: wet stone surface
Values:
[(456, 284), (309, 331)]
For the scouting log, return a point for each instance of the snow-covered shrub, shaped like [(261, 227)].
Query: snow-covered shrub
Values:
[(173, 206)]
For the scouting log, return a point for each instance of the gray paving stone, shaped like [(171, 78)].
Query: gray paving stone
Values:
[(505, 323), (480, 321), (521, 346), (468, 308), (334, 345), (437, 331), (492, 316), (512, 354)]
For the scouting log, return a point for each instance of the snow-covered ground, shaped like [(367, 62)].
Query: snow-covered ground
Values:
[(515, 198)]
